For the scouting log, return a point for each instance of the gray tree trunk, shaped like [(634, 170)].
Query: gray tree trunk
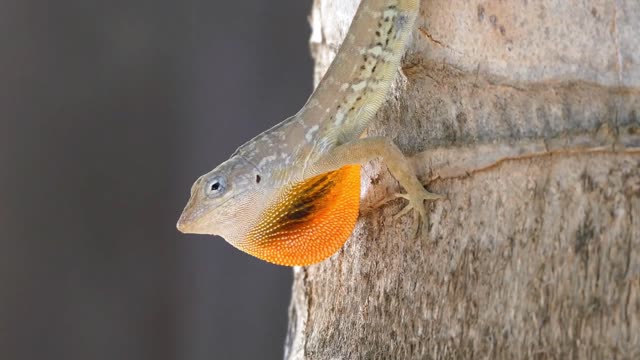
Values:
[(526, 115)]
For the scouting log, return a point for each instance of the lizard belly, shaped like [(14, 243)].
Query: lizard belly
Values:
[(308, 221)]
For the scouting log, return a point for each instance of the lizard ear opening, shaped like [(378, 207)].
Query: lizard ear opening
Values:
[(309, 221), (258, 179)]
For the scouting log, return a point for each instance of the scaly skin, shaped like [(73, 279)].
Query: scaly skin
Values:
[(291, 195)]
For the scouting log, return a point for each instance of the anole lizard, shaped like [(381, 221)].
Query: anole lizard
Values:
[(291, 195)]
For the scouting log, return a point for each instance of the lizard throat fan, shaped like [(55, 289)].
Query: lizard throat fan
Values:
[(309, 221)]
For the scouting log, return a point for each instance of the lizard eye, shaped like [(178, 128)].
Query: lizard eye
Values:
[(215, 186)]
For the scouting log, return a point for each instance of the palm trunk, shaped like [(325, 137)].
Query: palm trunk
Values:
[(526, 114)]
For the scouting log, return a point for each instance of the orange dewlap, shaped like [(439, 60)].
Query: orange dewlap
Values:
[(309, 221)]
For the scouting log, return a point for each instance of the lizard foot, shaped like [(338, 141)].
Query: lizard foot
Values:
[(415, 202)]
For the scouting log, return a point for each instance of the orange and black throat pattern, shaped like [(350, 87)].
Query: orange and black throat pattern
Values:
[(309, 221)]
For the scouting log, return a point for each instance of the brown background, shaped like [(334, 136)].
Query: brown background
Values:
[(109, 111)]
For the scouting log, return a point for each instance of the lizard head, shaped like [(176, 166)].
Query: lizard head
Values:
[(223, 200), (300, 223)]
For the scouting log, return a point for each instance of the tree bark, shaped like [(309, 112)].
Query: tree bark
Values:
[(525, 114)]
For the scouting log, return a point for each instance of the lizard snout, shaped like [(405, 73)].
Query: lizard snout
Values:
[(184, 223), (188, 221)]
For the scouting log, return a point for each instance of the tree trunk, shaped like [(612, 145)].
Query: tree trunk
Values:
[(525, 114)]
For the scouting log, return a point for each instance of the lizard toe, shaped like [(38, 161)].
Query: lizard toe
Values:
[(416, 202)]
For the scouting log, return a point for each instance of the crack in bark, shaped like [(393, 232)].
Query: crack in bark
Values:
[(457, 162), (426, 33), (616, 44)]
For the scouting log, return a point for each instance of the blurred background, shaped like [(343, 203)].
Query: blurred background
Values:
[(109, 111)]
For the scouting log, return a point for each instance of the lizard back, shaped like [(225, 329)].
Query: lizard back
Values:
[(348, 96)]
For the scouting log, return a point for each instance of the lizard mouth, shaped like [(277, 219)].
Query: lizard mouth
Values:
[(198, 220), (188, 220), (188, 223)]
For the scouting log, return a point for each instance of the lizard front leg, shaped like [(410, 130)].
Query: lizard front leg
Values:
[(363, 150)]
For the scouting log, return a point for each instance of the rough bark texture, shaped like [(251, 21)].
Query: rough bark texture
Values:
[(526, 115)]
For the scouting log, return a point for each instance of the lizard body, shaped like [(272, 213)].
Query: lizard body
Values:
[(291, 195)]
